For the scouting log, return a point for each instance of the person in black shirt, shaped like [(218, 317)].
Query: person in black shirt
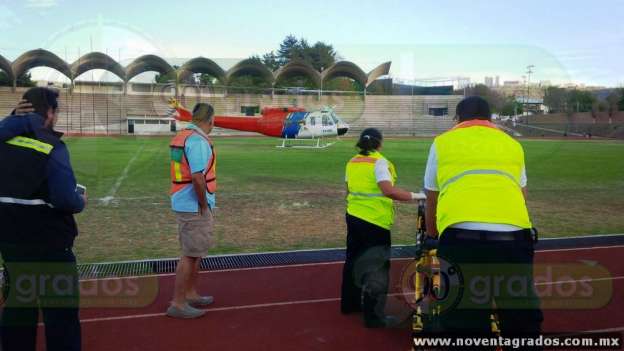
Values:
[(38, 199)]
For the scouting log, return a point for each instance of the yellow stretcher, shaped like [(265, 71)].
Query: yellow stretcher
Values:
[(427, 281)]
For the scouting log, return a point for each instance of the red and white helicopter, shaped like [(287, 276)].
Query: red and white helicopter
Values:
[(291, 124)]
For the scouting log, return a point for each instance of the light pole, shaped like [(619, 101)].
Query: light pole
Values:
[(529, 72)]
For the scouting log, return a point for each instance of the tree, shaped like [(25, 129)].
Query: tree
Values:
[(320, 56), (556, 99), (23, 80), (580, 101), (289, 49), (166, 78), (613, 102), (271, 61), (249, 83), (619, 93), (205, 79), (511, 107), (254, 60), (494, 98)]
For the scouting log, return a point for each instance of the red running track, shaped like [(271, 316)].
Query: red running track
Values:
[(297, 308)]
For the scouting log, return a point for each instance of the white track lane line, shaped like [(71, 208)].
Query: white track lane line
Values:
[(583, 248), (218, 309), (609, 330), (278, 304)]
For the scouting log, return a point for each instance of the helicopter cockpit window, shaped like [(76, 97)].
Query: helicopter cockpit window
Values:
[(335, 118), (327, 121), (312, 121)]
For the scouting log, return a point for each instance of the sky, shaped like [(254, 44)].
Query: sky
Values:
[(568, 41)]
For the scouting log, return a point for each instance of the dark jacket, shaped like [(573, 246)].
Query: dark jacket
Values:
[(31, 175)]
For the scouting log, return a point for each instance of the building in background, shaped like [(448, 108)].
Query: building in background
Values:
[(532, 105)]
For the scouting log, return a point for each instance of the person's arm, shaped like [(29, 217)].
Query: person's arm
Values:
[(432, 192), (62, 183), (394, 192), (523, 183), (199, 185), (22, 108), (198, 153), (384, 181)]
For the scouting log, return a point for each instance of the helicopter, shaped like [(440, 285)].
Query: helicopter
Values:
[(291, 124)]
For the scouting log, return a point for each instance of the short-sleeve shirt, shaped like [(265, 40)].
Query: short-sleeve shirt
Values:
[(198, 153), (431, 183)]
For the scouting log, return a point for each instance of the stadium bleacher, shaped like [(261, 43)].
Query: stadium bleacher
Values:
[(99, 112)]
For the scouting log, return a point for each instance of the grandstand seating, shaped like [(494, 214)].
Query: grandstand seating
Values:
[(106, 113)]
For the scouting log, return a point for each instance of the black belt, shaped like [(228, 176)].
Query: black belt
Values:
[(481, 235)]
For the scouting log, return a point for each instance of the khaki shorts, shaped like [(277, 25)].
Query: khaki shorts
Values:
[(195, 233)]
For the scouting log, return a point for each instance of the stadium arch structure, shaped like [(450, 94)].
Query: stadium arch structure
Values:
[(202, 65), (5, 66), (146, 63), (96, 60), (298, 68), (39, 58)]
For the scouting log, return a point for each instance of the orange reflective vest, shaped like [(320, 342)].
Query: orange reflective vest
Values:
[(181, 170)]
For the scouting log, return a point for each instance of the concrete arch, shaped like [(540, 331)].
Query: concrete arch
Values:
[(298, 67), (147, 63), (97, 60), (249, 67), (381, 70), (345, 69), (39, 58), (202, 65), (5, 66)]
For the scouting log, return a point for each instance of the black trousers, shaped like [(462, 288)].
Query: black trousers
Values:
[(40, 279), (365, 274), (487, 274)]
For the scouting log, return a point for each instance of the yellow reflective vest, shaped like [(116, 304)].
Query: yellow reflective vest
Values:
[(365, 200), (479, 170)]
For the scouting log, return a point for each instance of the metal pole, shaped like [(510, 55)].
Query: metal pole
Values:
[(66, 98), (70, 106), (92, 90), (93, 103), (80, 99), (529, 72), (121, 96), (124, 87), (413, 115), (107, 110)]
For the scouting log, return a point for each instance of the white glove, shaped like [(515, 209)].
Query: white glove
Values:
[(419, 196)]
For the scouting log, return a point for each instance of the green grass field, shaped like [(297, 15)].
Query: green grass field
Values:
[(273, 199)]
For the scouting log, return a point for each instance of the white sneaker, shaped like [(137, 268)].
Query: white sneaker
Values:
[(187, 312)]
